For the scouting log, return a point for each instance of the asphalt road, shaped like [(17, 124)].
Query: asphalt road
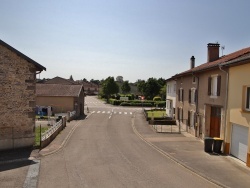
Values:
[(104, 151)]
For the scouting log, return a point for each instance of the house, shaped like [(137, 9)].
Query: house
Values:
[(237, 136), (59, 80), (170, 97), (201, 94), (17, 98), (61, 97)]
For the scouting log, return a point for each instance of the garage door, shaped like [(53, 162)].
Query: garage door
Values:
[(239, 142)]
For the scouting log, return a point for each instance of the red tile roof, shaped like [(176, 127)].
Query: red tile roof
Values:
[(59, 90), (214, 64)]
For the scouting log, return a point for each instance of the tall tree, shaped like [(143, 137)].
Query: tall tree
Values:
[(152, 88), (71, 78), (141, 86), (125, 87), (109, 87), (162, 82)]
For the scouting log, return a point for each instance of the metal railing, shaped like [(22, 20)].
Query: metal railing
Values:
[(71, 114)]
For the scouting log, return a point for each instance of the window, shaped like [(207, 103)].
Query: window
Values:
[(248, 98), (180, 114), (168, 88), (192, 95), (214, 85), (191, 118), (181, 95)]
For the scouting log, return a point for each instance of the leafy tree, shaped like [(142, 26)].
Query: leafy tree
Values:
[(141, 86), (162, 82), (109, 87), (97, 82), (163, 92), (125, 87), (152, 88)]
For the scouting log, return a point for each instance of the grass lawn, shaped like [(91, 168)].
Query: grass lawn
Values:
[(156, 113), (37, 132)]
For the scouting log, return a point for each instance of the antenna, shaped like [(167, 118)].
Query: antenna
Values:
[(222, 48)]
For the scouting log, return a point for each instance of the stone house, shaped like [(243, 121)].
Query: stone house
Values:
[(17, 98), (237, 135), (61, 97), (200, 93)]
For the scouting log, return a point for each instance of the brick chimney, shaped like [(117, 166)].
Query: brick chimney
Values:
[(192, 62), (213, 52)]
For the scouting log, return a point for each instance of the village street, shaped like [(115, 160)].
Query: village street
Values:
[(104, 151)]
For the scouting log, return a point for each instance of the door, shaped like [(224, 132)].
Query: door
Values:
[(215, 120), (239, 142)]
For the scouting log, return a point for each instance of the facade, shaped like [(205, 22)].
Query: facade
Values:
[(237, 137), (170, 97), (61, 97), (201, 94), (17, 96)]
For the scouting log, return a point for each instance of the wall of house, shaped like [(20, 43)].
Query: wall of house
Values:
[(59, 104), (80, 103), (206, 101), (17, 96), (186, 83), (239, 77), (171, 95)]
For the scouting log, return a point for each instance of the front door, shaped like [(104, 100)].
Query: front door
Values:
[(215, 122)]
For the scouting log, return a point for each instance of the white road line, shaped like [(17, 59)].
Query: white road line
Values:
[(131, 113), (98, 112), (108, 112), (32, 175), (125, 113), (120, 112), (103, 112)]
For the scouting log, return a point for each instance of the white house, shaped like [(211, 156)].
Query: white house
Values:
[(170, 97)]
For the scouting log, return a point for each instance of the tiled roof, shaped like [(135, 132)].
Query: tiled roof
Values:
[(38, 66), (59, 90), (59, 80), (213, 64)]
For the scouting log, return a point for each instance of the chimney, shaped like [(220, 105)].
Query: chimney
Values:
[(192, 62), (213, 52)]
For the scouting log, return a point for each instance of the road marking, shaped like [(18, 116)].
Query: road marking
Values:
[(103, 112), (131, 113), (120, 112), (32, 175), (108, 112), (125, 113), (98, 112)]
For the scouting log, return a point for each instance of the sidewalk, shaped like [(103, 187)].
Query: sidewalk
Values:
[(188, 151)]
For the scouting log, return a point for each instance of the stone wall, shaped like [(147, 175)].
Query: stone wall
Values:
[(17, 100)]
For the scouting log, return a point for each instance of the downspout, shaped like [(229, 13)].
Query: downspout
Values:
[(226, 101), (196, 105)]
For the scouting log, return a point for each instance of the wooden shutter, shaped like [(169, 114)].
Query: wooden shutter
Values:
[(209, 85), (248, 98), (189, 96), (218, 85), (182, 114), (179, 95), (182, 95), (189, 123)]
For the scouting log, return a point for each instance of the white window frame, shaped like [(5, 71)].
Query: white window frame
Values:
[(193, 90), (181, 95), (214, 85)]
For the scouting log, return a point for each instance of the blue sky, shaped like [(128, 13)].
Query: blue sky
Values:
[(136, 39)]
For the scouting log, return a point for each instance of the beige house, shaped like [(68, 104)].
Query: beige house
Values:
[(201, 94), (17, 98), (237, 138), (61, 97)]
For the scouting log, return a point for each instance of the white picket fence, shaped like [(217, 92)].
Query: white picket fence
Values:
[(50, 131)]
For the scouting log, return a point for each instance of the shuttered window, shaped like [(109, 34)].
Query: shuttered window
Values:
[(214, 85), (181, 95)]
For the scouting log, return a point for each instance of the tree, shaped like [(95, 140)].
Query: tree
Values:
[(97, 82), (141, 86), (163, 92), (152, 88), (71, 78), (125, 87), (109, 87), (162, 82)]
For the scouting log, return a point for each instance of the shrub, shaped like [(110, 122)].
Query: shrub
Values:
[(125, 104), (161, 104)]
